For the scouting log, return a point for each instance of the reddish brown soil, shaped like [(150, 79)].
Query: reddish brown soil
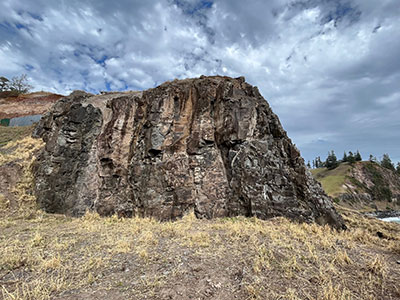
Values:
[(25, 105)]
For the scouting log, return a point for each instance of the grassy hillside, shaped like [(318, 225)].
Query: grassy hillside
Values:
[(363, 184), (9, 134), (45, 256), (26, 104), (332, 181)]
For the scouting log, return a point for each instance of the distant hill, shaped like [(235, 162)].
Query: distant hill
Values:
[(26, 104), (361, 184)]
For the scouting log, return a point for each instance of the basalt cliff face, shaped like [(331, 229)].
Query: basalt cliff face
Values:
[(210, 145)]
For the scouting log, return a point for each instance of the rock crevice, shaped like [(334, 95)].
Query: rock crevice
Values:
[(211, 144)]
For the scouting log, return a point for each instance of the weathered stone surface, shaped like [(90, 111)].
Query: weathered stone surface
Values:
[(210, 144), (368, 183)]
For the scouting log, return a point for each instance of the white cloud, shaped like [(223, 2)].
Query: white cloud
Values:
[(329, 69)]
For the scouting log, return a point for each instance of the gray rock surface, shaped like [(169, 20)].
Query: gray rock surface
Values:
[(210, 144)]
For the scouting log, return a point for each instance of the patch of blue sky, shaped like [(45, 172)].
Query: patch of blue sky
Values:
[(7, 26), (342, 11), (193, 9), (108, 86), (93, 52), (77, 53), (35, 17), (101, 60), (28, 67), (11, 29), (20, 26)]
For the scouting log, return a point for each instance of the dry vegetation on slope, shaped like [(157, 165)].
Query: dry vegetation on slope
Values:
[(45, 256), (363, 185)]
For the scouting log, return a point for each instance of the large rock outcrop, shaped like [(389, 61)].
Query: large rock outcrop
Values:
[(210, 144)]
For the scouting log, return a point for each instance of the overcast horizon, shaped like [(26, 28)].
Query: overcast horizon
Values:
[(329, 69)]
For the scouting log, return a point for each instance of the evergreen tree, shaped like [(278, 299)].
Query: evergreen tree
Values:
[(350, 158), (357, 157), (398, 168), (386, 162), (331, 161), (344, 159), (320, 164), (372, 158), (309, 165), (317, 162)]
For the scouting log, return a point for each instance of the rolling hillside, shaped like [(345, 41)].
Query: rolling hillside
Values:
[(26, 104), (361, 184)]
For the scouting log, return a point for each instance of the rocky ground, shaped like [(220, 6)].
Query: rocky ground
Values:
[(56, 257), (47, 256)]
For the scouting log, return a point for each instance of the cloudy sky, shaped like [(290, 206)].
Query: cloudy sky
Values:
[(330, 69)]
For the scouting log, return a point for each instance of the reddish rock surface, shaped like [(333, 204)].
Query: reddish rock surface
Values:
[(25, 105), (211, 145)]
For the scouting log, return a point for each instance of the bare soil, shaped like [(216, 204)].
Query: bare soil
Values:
[(28, 104)]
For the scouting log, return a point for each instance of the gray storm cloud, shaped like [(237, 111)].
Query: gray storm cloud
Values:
[(329, 69)]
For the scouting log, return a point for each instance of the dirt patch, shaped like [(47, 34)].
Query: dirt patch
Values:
[(10, 174), (25, 105), (57, 257)]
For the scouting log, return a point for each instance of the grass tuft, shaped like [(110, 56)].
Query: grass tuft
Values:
[(44, 256)]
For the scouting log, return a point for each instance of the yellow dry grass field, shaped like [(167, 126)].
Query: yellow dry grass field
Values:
[(56, 257), (45, 256)]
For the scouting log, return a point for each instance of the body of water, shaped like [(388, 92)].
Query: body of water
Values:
[(20, 121), (391, 219)]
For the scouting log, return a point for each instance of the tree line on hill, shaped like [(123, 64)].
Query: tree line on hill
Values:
[(17, 85), (331, 162)]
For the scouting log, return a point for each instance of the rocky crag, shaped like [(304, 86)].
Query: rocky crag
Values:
[(211, 145), (369, 183), (361, 185)]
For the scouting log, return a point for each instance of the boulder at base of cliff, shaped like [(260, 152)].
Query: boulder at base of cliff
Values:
[(211, 145)]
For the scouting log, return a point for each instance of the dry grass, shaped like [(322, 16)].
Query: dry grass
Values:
[(44, 256), (332, 181), (20, 153), (8, 134), (56, 257)]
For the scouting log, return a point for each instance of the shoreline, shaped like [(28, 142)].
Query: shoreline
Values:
[(382, 214)]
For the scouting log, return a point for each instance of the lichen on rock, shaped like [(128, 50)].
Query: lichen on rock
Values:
[(211, 145)]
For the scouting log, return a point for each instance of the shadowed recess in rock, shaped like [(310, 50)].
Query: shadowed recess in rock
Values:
[(211, 145)]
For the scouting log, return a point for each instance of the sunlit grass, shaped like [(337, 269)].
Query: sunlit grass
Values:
[(332, 181), (44, 256), (50, 247), (9, 134)]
